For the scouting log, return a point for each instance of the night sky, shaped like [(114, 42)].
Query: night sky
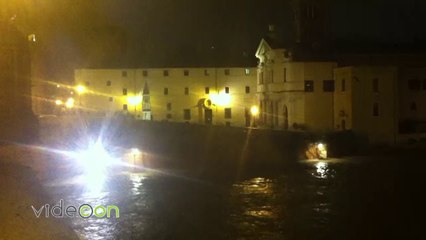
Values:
[(159, 33)]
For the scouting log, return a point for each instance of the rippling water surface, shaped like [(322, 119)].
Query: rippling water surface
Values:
[(330, 199)]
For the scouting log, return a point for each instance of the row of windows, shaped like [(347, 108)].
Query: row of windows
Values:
[(416, 84), (186, 72), (328, 85), (186, 90), (187, 112)]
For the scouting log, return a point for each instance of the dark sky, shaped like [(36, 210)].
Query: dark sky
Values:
[(157, 33)]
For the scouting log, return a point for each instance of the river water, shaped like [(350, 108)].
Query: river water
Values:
[(355, 198)]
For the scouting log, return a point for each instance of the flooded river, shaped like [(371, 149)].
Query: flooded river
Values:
[(320, 199)]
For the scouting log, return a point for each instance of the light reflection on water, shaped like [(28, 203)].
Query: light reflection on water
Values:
[(154, 206)]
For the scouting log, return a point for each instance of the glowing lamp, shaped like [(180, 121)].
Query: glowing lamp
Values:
[(134, 100), (254, 110), (80, 89), (58, 102), (69, 103), (222, 99)]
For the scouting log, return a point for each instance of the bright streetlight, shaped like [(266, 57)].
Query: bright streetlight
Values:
[(254, 110), (59, 102), (69, 103), (80, 89)]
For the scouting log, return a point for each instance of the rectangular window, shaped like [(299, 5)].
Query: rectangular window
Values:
[(247, 71), (145, 73), (309, 85), (228, 113), (169, 106), (124, 73), (285, 75), (206, 72), (166, 73), (166, 91), (226, 89), (375, 109), (227, 72), (124, 91), (108, 83), (186, 91), (247, 89), (185, 72), (207, 90), (187, 114), (376, 85), (343, 85), (111, 99), (261, 78), (228, 124), (169, 116), (414, 84), (328, 85), (125, 107)]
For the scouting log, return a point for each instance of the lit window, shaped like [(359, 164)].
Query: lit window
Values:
[(247, 71), (328, 85), (124, 106), (186, 91), (169, 106), (145, 73), (375, 109), (226, 89), (108, 83), (226, 72), (228, 113), (124, 91), (309, 86), (207, 90), (247, 89), (186, 73), (166, 91), (124, 73), (187, 114)]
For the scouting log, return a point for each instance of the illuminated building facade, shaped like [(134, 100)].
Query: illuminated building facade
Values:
[(219, 96)]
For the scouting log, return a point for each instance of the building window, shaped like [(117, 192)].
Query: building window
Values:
[(309, 85), (206, 72), (169, 106), (166, 91), (87, 83), (187, 114), (108, 83), (413, 106), (228, 113), (111, 99), (125, 107), (375, 109), (227, 72), (124, 73), (145, 73), (376, 85), (328, 86), (185, 72), (228, 124), (247, 89), (207, 90), (124, 91), (310, 11), (247, 71), (414, 84), (169, 116), (166, 73), (343, 85), (186, 91), (285, 75), (226, 89)]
